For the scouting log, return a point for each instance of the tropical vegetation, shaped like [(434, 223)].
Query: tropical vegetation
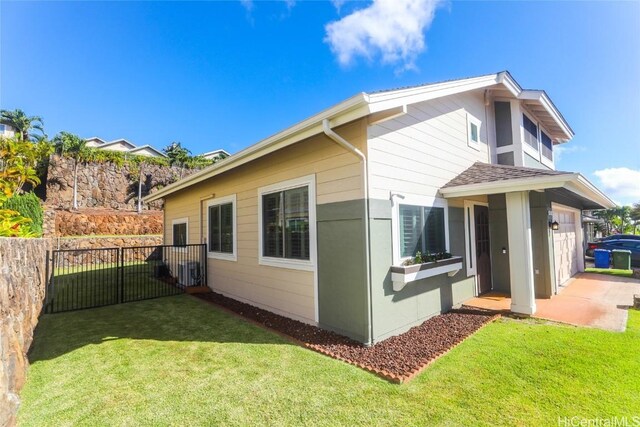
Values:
[(623, 220), (24, 125), (28, 205), (20, 160)]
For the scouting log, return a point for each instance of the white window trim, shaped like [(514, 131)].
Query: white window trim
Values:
[(535, 153), (547, 162), (470, 235), (294, 264), (217, 202), (434, 202), (184, 220), (470, 142)]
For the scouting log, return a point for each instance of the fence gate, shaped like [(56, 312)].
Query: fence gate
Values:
[(88, 278)]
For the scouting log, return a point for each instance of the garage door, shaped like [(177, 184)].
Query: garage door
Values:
[(565, 243)]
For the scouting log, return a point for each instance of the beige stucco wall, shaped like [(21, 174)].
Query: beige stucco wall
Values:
[(290, 292)]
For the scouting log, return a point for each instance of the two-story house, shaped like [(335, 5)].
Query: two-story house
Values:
[(314, 223)]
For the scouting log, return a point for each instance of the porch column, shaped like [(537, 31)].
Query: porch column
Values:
[(520, 253)]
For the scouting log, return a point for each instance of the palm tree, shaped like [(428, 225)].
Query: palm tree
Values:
[(76, 148), (635, 216), (22, 123)]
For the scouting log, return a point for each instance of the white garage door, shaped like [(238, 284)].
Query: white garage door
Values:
[(565, 243)]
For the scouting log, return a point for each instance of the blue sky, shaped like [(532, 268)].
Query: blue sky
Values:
[(227, 74)]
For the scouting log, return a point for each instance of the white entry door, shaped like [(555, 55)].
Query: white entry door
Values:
[(565, 242)]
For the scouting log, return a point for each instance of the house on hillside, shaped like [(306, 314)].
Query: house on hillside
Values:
[(215, 154), (315, 222), (125, 146), (7, 131)]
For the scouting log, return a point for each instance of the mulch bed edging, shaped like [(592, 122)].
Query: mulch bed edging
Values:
[(397, 359)]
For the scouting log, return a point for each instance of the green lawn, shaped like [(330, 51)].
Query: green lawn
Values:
[(180, 361), (610, 271)]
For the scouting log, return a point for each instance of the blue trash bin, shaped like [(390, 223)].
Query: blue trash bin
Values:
[(601, 258)]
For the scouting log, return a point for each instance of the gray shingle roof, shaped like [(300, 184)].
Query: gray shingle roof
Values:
[(480, 173)]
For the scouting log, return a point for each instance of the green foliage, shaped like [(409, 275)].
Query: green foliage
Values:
[(22, 123), (19, 160), (181, 156), (623, 219), (28, 206), (176, 153), (421, 258)]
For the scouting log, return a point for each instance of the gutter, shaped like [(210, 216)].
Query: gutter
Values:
[(326, 128)]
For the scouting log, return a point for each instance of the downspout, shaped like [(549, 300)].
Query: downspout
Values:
[(326, 128), (487, 103)]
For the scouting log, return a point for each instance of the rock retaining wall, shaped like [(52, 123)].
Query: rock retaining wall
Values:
[(103, 221), (106, 185), (73, 258), (22, 291)]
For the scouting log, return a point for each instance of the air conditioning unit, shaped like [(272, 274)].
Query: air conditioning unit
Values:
[(189, 273)]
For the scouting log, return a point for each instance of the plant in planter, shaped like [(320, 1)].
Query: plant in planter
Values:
[(419, 258), (423, 266)]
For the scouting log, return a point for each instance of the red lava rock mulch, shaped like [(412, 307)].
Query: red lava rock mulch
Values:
[(397, 359)]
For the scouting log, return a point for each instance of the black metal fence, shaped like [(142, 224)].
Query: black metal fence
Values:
[(88, 278)]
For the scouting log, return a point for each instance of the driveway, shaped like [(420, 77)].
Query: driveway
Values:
[(594, 300)]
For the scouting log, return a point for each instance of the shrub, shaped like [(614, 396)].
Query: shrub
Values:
[(28, 206)]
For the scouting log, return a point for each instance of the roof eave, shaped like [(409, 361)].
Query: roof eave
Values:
[(573, 182), (352, 109)]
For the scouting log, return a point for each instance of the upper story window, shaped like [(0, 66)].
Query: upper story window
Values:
[(547, 145), (287, 224), (2, 128), (530, 132), (221, 215), (473, 132), (422, 229), (180, 229)]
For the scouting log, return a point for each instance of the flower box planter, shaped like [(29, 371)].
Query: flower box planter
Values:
[(401, 275)]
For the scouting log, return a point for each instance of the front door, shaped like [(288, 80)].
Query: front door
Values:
[(483, 249)]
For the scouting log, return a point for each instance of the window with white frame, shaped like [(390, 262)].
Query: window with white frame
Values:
[(180, 230), (287, 223), (221, 227), (546, 146), (473, 131), (530, 132), (421, 229)]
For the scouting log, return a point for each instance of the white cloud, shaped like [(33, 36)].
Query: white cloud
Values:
[(561, 150), (620, 183), (392, 29), (338, 4), (247, 4), (290, 3)]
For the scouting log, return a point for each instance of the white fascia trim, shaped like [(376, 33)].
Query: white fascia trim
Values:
[(219, 151), (386, 100), (509, 185), (294, 264), (233, 256), (349, 110), (95, 138), (509, 82), (573, 182), (160, 153), (586, 189), (118, 141), (543, 99)]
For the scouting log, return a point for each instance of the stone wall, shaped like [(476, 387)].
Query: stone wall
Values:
[(22, 291), (102, 221), (105, 185), (72, 258)]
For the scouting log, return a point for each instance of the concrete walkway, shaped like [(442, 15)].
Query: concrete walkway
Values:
[(594, 300)]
